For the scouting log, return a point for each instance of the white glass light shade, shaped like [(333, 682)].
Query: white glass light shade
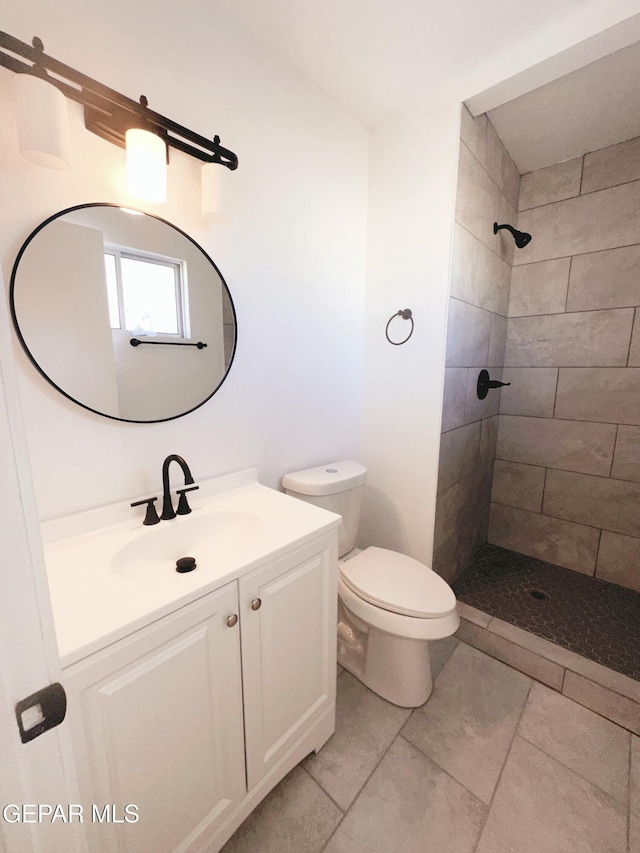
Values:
[(146, 165), (42, 122), (217, 193)]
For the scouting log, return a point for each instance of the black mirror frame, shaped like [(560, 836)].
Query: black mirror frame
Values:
[(26, 349)]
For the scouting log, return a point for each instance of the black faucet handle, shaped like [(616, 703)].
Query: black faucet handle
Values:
[(151, 516), (183, 505)]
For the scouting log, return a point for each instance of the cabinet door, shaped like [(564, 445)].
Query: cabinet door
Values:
[(288, 611), (158, 724)]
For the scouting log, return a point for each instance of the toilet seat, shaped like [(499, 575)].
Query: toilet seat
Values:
[(398, 583)]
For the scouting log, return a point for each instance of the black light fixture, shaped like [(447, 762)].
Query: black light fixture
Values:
[(107, 113), (521, 237)]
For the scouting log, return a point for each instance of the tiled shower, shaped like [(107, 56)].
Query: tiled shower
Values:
[(549, 466)]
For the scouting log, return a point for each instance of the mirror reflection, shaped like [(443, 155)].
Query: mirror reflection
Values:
[(123, 313)]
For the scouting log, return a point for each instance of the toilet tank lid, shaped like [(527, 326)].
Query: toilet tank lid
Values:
[(326, 479)]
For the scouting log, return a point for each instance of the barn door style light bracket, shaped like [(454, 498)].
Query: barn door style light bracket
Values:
[(107, 113)]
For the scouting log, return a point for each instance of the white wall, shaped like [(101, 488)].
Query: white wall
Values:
[(294, 257), (411, 207)]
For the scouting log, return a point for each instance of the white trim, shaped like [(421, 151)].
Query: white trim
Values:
[(41, 771), (577, 56)]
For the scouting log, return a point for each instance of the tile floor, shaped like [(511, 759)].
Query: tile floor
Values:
[(493, 763)]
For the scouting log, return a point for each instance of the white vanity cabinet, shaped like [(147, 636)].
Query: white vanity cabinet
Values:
[(194, 718)]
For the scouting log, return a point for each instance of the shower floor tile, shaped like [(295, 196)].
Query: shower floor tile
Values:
[(596, 619)]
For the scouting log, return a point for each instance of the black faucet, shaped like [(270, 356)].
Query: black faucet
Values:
[(168, 511)]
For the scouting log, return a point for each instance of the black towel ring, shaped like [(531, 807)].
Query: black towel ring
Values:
[(406, 315)]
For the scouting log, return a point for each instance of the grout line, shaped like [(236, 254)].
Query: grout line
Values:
[(566, 313), (555, 396), (567, 420), (548, 467), (364, 784), (581, 176), (615, 446), (572, 770), (504, 763), (322, 788), (633, 325), (574, 255), (566, 296)]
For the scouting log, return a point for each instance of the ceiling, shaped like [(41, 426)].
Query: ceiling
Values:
[(591, 108), (379, 59)]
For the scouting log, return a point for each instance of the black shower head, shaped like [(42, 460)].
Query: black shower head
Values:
[(521, 237)]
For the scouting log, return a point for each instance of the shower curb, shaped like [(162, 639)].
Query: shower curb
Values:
[(610, 694)]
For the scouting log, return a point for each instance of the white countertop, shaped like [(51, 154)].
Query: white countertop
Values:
[(94, 606)]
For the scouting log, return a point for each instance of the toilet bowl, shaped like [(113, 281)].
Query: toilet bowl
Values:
[(389, 605)]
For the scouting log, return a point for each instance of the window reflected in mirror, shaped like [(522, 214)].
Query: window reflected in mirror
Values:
[(92, 285)]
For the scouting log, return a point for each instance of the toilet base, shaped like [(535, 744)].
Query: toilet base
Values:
[(396, 668)]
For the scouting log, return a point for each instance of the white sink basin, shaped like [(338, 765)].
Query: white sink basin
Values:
[(110, 575), (210, 537)]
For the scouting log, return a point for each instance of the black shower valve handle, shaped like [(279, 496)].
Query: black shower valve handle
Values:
[(485, 383)]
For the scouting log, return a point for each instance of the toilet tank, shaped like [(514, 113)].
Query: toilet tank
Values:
[(338, 487)]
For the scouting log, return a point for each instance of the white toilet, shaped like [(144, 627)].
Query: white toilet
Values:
[(389, 605)]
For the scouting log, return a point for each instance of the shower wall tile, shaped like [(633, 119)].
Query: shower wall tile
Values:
[(532, 391), (562, 543), (468, 330), (609, 279), (619, 559), (479, 202), (478, 275), (488, 186), (626, 458), (455, 394), (493, 276), (497, 341), (555, 183), (580, 339), (488, 440), (501, 167), (539, 288), (570, 420), (518, 485), (597, 501), (607, 394), (459, 454), (455, 554), (634, 349), (601, 220), (473, 132), (462, 511), (463, 266), (607, 167), (570, 446)]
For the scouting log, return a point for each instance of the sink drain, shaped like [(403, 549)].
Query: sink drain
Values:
[(538, 594)]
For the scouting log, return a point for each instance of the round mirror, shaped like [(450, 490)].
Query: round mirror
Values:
[(123, 313)]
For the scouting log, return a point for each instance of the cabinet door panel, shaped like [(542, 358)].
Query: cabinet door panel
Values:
[(288, 653), (164, 732)]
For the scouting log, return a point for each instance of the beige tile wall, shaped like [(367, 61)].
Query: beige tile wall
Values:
[(566, 486), (488, 190)]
